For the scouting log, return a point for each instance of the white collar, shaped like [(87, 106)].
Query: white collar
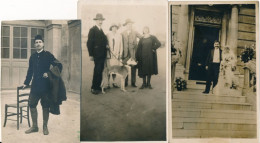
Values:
[(99, 27), (39, 51)]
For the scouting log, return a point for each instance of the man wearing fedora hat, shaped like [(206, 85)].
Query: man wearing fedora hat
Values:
[(97, 48), (129, 48), (39, 66)]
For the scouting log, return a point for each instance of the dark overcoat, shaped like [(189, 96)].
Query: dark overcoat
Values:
[(97, 42), (149, 67), (57, 90)]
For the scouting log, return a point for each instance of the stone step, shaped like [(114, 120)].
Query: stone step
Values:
[(213, 120), (214, 126), (180, 103), (217, 114), (208, 97), (180, 133), (196, 86)]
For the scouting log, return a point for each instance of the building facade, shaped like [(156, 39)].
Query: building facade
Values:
[(197, 26), (61, 37)]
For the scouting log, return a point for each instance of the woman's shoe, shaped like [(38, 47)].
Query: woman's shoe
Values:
[(149, 86), (115, 85)]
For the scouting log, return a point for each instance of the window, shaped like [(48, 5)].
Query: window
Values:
[(20, 42), (34, 32), (5, 46), (15, 41)]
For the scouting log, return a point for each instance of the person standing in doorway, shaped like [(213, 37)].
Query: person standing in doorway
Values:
[(212, 66), (39, 66), (97, 48), (129, 48)]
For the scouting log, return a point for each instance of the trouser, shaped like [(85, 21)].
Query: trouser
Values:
[(45, 103), (97, 76), (212, 75), (133, 75), (34, 99)]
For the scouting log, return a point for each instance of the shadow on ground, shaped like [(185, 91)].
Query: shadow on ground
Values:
[(135, 115)]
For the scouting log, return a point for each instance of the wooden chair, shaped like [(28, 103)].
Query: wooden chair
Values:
[(22, 102)]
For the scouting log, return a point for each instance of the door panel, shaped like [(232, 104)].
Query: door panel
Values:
[(204, 38)]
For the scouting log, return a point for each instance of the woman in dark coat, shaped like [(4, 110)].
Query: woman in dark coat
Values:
[(147, 58)]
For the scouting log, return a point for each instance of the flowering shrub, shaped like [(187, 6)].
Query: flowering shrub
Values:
[(181, 84), (248, 53)]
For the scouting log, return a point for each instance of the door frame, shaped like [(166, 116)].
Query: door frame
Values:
[(222, 36)]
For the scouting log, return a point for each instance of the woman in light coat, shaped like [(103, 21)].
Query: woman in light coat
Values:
[(115, 49)]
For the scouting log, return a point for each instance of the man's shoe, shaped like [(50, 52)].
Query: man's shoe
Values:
[(93, 91), (133, 85), (45, 130), (205, 92), (142, 87), (32, 130)]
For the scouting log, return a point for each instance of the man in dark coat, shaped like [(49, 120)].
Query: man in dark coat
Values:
[(212, 66), (39, 65), (97, 48)]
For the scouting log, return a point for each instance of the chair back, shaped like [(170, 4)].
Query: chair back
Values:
[(22, 96)]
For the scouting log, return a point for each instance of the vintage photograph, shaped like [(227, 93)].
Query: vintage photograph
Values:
[(123, 71), (213, 68), (40, 64)]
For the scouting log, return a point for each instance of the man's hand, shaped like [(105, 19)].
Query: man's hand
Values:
[(45, 75), (91, 58), (24, 86), (206, 67), (199, 64)]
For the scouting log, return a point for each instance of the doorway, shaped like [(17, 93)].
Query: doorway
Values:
[(204, 37)]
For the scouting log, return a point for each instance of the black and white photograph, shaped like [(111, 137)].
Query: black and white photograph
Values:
[(213, 69), (40, 64), (123, 70)]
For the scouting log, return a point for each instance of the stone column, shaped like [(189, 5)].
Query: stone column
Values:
[(182, 33), (233, 29), (246, 80), (75, 55), (54, 39), (224, 30)]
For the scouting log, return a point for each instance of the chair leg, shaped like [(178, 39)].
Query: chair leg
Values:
[(18, 113), (5, 115), (21, 110), (28, 115)]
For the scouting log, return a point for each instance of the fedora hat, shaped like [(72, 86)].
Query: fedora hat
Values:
[(99, 16), (127, 21), (114, 25)]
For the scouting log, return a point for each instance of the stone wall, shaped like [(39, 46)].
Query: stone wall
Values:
[(246, 31)]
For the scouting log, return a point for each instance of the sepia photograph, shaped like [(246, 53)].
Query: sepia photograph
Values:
[(213, 69), (40, 64), (123, 88)]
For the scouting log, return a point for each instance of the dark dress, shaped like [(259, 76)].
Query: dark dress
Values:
[(146, 56)]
